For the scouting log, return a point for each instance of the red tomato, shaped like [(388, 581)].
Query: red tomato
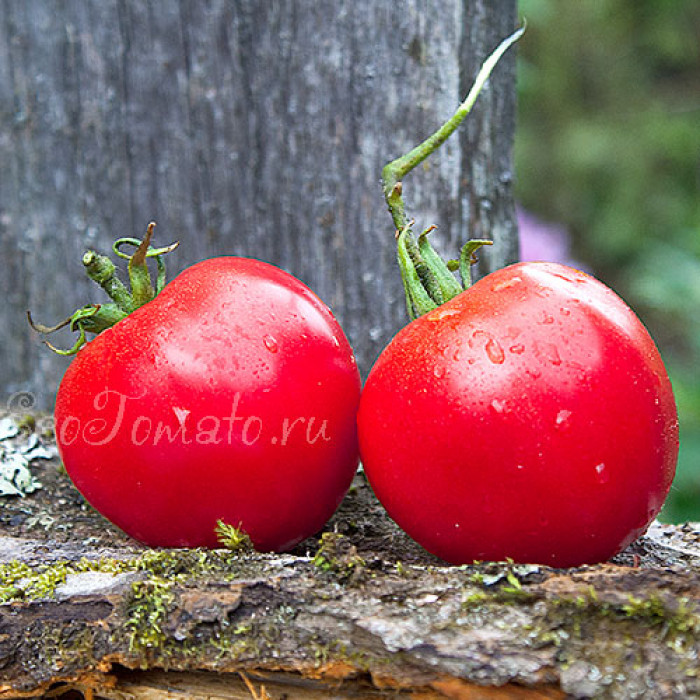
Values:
[(232, 395), (529, 418)]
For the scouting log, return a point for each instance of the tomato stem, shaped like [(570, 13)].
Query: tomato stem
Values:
[(394, 172), (95, 318), (428, 280)]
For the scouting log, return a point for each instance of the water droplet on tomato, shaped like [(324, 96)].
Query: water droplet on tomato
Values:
[(547, 352), (270, 343), (517, 349), (561, 421), (439, 314), (601, 473), (546, 319), (498, 406), (439, 372), (512, 282), (494, 352), (565, 311)]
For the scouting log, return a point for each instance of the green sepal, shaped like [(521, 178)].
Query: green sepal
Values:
[(161, 279), (103, 317), (427, 279), (414, 274), (445, 279), (150, 253), (467, 259), (102, 270), (139, 276), (93, 318)]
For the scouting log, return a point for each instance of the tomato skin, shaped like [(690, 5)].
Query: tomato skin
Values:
[(232, 395), (530, 417)]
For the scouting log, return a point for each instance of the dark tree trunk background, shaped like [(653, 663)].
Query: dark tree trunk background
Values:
[(246, 128)]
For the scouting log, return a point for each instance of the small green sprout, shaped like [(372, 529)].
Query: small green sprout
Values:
[(233, 538)]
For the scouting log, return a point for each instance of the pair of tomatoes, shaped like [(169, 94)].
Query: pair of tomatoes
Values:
[(529, 418)]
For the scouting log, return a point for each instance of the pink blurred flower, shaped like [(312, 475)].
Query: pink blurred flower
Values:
[(543, 240)]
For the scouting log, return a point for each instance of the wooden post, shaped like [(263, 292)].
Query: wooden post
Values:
[(246, 128)]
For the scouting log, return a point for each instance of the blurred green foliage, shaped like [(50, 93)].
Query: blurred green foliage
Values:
[(608, 144)]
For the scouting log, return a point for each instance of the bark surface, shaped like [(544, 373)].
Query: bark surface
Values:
[(357, 611)]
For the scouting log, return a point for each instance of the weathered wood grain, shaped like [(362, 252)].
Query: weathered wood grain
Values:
[(241, 127)]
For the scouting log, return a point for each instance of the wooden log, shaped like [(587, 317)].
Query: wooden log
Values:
[(358, 611), (247, 128)]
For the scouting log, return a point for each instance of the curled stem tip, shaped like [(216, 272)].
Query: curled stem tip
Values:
[(44, 330)]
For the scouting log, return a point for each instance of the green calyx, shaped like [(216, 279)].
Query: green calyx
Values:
[(429, 280), (95, 318)]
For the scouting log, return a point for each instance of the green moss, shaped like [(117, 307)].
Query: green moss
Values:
[(149, 603), (27, 423), (488, 594), (566, 619), (238, 643), (20, 581), (476, 598), (233, 538), (180, 566), (12, 574), (498, 583), (677, 623), (44, 584), (63, 647), (336, 555), (650, 610), (148, 610)]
